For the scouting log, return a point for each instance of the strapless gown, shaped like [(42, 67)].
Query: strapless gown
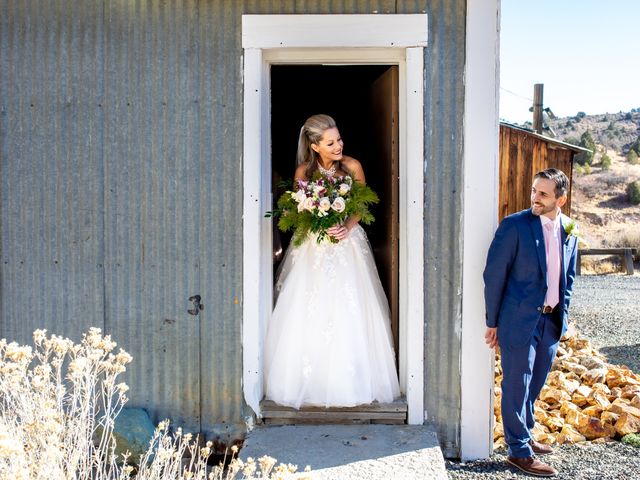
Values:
[(329, 339)]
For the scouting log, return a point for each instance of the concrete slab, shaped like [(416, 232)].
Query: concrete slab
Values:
[(348, 452)]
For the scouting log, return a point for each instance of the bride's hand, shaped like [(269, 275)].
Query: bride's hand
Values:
[(339, 232)]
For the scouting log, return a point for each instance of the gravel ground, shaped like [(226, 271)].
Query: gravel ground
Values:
[(605, 310)]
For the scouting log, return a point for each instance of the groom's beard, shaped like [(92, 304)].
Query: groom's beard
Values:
[(538, 209)]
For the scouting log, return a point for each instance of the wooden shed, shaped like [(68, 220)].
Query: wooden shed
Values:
[(524, 152)]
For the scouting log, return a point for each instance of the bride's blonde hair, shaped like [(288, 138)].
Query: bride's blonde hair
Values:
[(311, 132)]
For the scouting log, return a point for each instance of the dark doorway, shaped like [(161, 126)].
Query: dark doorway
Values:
[(363, 99)]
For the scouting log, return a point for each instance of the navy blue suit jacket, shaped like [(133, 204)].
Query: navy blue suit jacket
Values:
[(515, 277)]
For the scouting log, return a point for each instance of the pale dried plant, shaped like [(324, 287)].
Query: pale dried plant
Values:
[(58, 404)]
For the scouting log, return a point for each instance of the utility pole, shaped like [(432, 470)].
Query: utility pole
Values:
[(537, 107)]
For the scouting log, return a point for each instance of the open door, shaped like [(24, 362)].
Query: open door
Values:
[(383, 102), (363, 99)]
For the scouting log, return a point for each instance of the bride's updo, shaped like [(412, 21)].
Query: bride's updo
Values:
[(311, 132)]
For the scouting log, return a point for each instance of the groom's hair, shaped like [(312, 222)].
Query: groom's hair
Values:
[(558, 177)]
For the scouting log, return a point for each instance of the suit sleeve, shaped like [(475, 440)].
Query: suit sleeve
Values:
[(571, 275), (500, 258)]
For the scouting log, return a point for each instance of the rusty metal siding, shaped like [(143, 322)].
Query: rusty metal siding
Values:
[(221, 215), (50, 169), (444, 110), (173, 205), (127, 172)]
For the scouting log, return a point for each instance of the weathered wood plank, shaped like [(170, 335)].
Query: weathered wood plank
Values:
[(397, 406), (626, 255)]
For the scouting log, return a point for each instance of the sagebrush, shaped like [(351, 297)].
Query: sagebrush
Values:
[(58, 403)]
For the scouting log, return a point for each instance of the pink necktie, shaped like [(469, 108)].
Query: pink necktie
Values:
[(553, 268)]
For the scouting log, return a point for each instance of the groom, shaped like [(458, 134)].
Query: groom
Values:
[(528, 281)]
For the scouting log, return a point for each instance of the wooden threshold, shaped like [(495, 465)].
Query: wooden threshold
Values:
[(392, 413)]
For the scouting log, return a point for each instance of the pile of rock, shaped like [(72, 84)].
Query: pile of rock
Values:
[(585, 398)]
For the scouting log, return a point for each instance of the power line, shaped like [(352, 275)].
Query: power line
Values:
[(516, 94)]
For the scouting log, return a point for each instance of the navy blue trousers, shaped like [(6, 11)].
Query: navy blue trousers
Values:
[(525, 369)]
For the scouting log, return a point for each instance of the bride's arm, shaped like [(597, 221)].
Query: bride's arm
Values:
[(299, 175)]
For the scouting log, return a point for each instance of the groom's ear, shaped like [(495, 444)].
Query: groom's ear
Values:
[(562, 200)]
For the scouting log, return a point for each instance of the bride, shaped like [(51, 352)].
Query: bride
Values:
[(329, 339)]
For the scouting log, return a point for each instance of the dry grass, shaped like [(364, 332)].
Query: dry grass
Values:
[(596, 265), (58, 402)]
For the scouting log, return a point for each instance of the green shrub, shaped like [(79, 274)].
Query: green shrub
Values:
[(587, 169), (632, 439), (578, 169), (633, 191), (605, 161), (586, 141), (632, 157)]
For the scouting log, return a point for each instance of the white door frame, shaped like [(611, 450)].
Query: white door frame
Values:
[(344, 39)]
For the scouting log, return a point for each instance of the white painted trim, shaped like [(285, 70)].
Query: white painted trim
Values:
[(303, 31), (480, 211), (257, 286), (412, 234), (252, 226)]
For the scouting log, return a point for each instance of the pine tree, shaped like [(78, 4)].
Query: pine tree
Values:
[(586, 141)]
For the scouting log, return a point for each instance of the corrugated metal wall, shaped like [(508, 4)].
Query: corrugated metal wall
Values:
[(121, 156)]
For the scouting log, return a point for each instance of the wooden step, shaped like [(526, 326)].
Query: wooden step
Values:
[(392, 413)]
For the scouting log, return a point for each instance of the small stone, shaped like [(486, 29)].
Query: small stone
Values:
[(627, 423), (581, 395), (620, 377), (569, 434), (499, 444), (554, 396), (616, 392), (574, 367), (599, 400), (575, 418), (593, 411), (597, 375), (591, 362), (554, 423), (595, 428), (568, 406), (621, 406), (630, 391), (602, 440), (609, 417), (578, 343)]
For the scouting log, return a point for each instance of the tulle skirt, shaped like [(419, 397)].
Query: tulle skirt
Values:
[(329, 340)]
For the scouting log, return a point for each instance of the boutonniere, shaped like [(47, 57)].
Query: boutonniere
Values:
[(572, 230)]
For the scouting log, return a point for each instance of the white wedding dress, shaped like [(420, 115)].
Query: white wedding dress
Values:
[(329, 340)]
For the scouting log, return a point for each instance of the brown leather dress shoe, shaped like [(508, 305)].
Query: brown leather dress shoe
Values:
[(540, 448), (533, 466)]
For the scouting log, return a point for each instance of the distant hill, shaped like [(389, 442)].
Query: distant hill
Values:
[(615, 131)]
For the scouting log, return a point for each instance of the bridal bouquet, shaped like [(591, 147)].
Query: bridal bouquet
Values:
[(314, 206)]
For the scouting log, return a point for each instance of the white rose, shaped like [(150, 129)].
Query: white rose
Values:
[(309, 204), (338, 205), (325, 204), (299, 196), (343, 189), (300, 207), (317, 189)]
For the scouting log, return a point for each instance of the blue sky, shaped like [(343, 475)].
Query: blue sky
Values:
[(585, 52)]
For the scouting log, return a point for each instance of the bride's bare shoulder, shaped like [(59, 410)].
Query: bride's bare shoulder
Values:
[(353, 167), (301, 171), (351, 163)]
